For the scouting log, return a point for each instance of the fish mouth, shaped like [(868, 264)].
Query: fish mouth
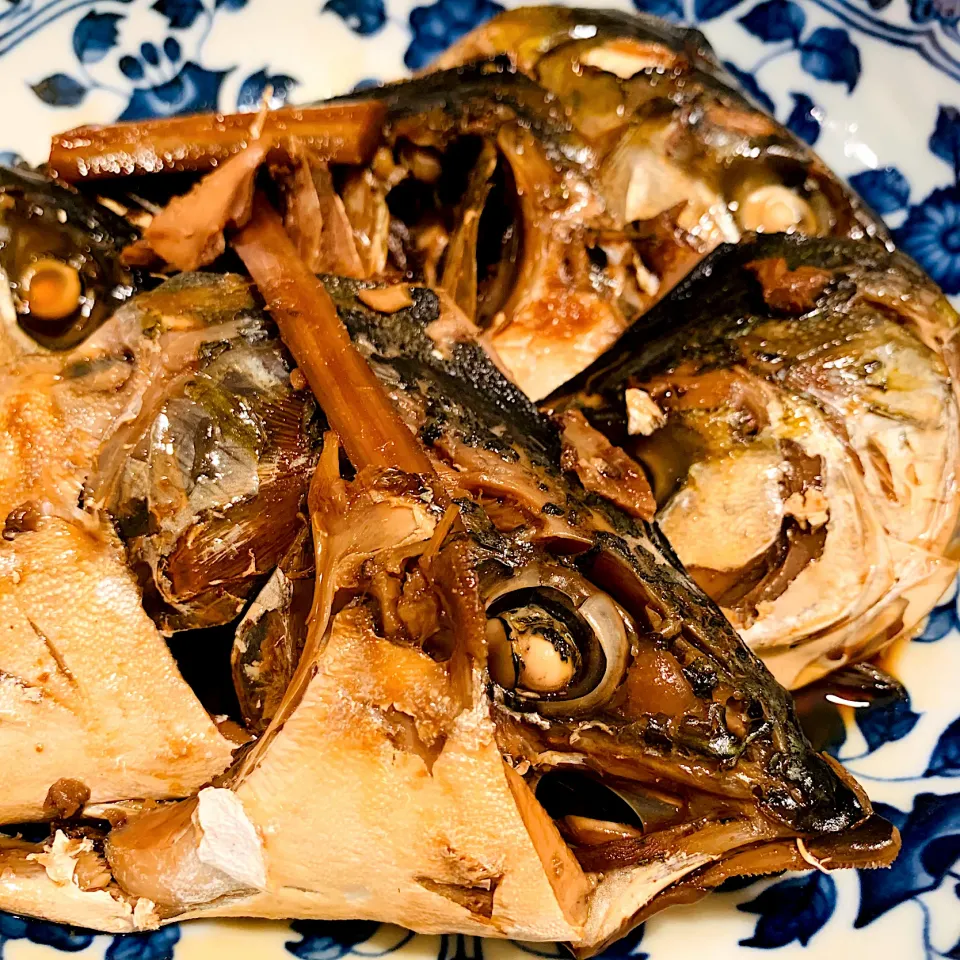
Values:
[(872, 844)]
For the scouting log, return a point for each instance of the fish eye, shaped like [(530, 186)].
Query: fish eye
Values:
[(774, 208), (51, 289), (557, 644)]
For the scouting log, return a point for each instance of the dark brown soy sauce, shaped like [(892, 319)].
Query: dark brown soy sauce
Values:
[(824, 706)]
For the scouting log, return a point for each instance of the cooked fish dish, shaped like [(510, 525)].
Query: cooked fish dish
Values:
[(794, 403), (320, 600)]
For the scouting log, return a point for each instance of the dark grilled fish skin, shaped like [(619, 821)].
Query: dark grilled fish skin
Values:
[(794, 402), (44, 224)]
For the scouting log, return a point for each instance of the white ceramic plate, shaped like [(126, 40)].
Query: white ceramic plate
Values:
[(873, 84)]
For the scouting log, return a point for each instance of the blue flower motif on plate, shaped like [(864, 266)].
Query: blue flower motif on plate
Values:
[(931, 235), (925, 11), (251, 92), (155, 945), (931, 845), (361, 16), (192, 90), (67, 939), (437, 26), (792, 909)]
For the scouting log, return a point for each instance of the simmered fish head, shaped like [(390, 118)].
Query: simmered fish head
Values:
[(679, 160), (669, 126), (643, 664), (177, 417), (60, 260), (512, 713), (794, 404)]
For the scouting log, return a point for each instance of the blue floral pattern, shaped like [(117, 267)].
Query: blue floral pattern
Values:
[(813, 63), (436, 26), (793, 909)]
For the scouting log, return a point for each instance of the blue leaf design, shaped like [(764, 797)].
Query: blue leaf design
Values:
[(711, 9), (437, 26), (668, 9), (367, 83), (157, 945), (67, 939), (59, 90), (886, 189), (829, 54), (329, 939), (804, 118), (231, 4), (945, 759), (180, 13), (793, 909), (775, 20), (95, 35), (887, 723), (928, 834), (10, 158), (931, 235), (749, 83), (361, 16), (192, 90), (251, 90), (945, 139)]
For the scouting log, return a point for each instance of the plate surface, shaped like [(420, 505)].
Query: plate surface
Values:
[(874, 85)]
